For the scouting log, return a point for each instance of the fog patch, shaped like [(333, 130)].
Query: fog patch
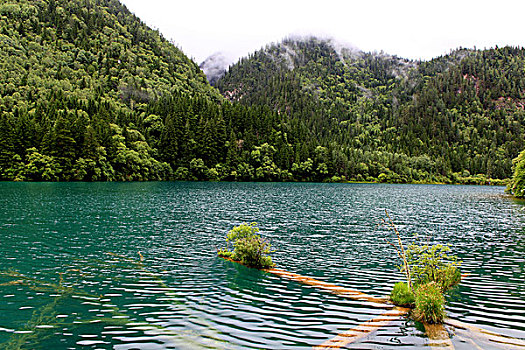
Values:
[(215, 66)]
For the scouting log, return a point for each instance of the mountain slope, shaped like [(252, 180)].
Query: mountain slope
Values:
[(77, 74), (92, 94), (90, 44), (461, 113)]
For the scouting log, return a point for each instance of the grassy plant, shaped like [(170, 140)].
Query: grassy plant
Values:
[(430, 303), (249, 248), (448, 277), (402, 295)]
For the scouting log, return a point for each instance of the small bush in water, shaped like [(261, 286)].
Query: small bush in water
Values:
[(430, 271), (250, 249), (402, 295), (430, 303), (433, 264)]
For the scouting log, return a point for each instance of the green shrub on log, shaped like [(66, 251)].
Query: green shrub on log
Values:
[(433, 264), (430, 272), (250, 249)]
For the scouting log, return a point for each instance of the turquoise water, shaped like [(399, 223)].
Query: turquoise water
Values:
[(72, 275)]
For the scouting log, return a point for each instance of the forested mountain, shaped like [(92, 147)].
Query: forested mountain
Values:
[(383, 116), (90, 93), (77, 76)]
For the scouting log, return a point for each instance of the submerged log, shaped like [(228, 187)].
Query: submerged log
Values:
[(438, 336), (329, 287), (362, 330), (486, 337)]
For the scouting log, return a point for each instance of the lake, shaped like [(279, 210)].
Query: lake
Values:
[(134, 265)]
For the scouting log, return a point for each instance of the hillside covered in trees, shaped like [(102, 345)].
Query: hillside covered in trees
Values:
[(90, 93), (380, 116), (76, 77)]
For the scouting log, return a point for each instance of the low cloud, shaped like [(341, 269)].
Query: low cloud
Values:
[(215, 66)]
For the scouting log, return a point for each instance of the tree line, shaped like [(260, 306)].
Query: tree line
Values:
[(92, 94)]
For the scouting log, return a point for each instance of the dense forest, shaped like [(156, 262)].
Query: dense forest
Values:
[(456, 118), (90, 93)]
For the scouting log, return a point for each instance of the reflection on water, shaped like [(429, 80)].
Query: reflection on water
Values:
[(72, 275)]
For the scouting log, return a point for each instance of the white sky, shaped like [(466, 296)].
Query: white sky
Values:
[(407, 28)]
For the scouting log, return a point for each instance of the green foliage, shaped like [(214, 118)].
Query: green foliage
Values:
[(91, 93), (517, 184), (388, 119), (401, 295), (430, 272), (78, 78), (225, 253), (250, 249), (433, 264), (39, 167), (430, 304), (242, 231), (181, 174), (251, 252)]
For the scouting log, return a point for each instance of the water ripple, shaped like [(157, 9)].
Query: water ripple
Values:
[(61, 289)]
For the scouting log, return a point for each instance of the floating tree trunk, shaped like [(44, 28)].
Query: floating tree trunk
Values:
[(359, 332)]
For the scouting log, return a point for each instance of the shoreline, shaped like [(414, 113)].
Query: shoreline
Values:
[(313, 182)]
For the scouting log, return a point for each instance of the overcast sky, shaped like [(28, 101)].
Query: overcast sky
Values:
[(410, 29)]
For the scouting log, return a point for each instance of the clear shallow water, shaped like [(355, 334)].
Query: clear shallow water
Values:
[(72, 275)]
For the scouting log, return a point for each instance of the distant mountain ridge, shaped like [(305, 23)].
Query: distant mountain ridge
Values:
[(463, 110)]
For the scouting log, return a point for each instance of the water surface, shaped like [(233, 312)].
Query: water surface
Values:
[(133, 265)]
